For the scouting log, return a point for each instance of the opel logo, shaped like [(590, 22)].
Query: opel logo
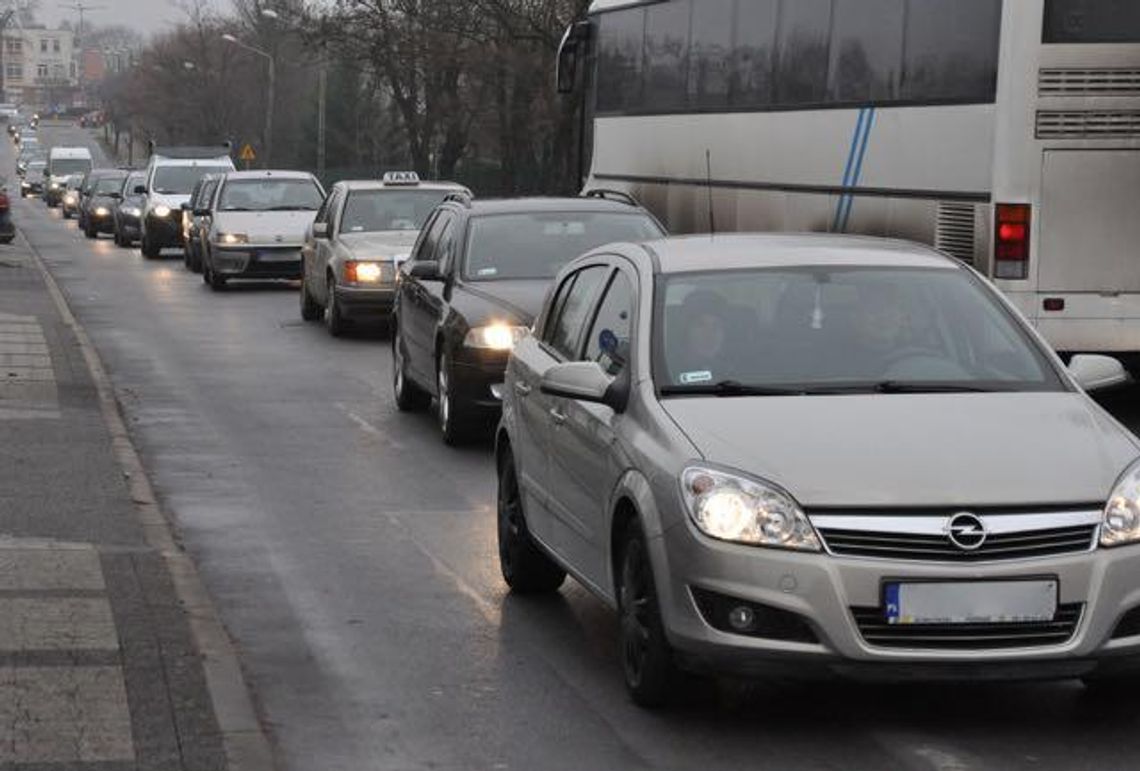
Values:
[(966, 531)]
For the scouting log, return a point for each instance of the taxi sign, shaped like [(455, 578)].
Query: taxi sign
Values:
[(401, 178), (247, 154)]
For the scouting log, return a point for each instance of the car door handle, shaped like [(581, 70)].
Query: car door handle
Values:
[(521, 388), (556, 416)]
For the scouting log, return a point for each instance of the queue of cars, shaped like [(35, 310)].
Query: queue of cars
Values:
[(770, 454)]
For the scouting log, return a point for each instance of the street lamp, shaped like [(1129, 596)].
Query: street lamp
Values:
[(267, 140)]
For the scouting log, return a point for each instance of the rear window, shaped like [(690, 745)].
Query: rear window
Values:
[(1092, 21), (64, 166), (537, 245)]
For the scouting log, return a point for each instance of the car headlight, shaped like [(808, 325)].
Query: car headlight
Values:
[(161, 211), (729, 507), (69, 198), (1121, 523), (233, 239), (362, 272), (102, 211), (495, 337), (55, 186), (131, 211)]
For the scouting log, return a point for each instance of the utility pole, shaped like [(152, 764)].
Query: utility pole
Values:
[(5, 20), (322, 100)]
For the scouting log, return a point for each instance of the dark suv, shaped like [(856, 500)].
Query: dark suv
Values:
[(473, 284)]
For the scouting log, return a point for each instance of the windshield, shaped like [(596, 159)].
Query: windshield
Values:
[(1092, 21), (839, 330), (106, 185), (133, 181), (369, 211), (270, 195), (536, 245), (180, 180), (63, 166)]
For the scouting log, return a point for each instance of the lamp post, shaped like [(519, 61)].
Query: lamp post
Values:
[(267, 139)]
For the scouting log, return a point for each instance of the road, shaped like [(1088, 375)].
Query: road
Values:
[(352, 557)]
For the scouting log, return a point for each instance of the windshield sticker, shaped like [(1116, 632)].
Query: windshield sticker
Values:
[(699, 376), (488, 272)]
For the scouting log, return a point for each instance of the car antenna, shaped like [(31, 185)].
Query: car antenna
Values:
[(708, 180)]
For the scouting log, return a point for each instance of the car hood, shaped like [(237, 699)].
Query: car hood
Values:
[(1008, 449), (521, 299), (173, 200), (266, 226), (381, 244)]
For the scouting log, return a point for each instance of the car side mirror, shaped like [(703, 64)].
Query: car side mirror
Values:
[(116, 196), (186, 207), (425, 270), (1094, 372), (201, 212), (140, 189), (320, 230), (585, 381)]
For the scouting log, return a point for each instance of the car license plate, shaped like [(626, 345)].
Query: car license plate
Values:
[(970, 602), (277, 255)]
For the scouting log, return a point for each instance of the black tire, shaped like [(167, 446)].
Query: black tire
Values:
[(1111, 686), (90, 231), (646, 657), (454, 423), (311, 310), (409, 396), (525, 567), (215, 281), (335, 322), (149, 250), (66, 214), (196, 259)]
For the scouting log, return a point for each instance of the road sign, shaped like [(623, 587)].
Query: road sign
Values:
[(247, 154)]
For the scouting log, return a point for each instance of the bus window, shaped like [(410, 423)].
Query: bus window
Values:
[(952, 51), (801, 52), (1092, 21), (621, 49), (710, 57), (667, 54), (753, 62), (866, 50)]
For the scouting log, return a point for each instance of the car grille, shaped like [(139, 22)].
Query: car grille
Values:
[(1004, 546), (876, 631)]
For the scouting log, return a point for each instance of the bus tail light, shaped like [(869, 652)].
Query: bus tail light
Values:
[(1011, 241)]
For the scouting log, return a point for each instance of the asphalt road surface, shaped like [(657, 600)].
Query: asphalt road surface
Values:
[(352, 557)]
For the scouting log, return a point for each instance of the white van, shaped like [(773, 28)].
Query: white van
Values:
[(62, 163)]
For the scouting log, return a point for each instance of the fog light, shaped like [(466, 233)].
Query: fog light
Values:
[(741, 618)]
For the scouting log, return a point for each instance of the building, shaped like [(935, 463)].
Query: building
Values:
[(39, 67)]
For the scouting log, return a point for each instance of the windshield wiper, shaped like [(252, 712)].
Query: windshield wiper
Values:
[(729, 388), (904, 387), (290, 208)]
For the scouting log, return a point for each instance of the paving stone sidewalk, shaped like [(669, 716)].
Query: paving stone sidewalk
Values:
[(98, 670)]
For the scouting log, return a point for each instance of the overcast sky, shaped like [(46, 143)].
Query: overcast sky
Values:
[(147, 16)]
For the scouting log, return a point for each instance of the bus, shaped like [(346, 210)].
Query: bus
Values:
[(1006, 134)]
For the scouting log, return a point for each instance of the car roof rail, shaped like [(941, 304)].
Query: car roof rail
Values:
[(459, 196), (612, 195)]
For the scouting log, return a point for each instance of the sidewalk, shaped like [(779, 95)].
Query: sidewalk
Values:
[(99, 643)]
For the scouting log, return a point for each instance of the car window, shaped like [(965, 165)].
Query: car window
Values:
[(107, 185), (270, 195), (326, 207), (608, 343), (564, 331), (428, 247), (179, 180), (370, 211), (445, 249)]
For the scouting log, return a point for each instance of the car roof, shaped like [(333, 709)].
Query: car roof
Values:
[(377, 184), (480, 206), (268, 174), (681, 254)]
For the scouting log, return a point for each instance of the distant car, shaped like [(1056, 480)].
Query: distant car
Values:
[(69, 203), (26, 156), (196, 220), (101, 193), (171, 174), (361, 234), (256, 225), (7, 228), (809, 455), (127, 211), (472, 287), (32, 183), (63, 162)]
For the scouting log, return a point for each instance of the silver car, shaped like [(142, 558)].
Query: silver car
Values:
[(255, 225), (361, 234), (816, 454)]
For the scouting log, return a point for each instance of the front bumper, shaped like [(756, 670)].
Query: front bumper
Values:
[(257, 262), (53, 196), (366, 302), (31, 188), (101, 223), (825, 592), (164, 232), (478, 375)]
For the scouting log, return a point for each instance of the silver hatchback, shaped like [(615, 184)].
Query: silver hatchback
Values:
[(815, 454)]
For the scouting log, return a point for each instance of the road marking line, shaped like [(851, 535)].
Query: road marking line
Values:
[(369, 428)]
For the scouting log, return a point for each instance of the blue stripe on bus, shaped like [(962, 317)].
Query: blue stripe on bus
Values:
[(857, 174), (850, 162)]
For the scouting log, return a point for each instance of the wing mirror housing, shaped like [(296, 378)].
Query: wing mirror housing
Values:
[(320, 230), (201, 212), (140, 189), (586, 381), (1094, 372), (425, 270)]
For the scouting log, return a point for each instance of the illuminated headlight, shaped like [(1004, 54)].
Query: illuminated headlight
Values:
[(69, 198), (733, 508), (495, 337), (233, 239), (1121, 523), (363, 272), (131, 211), (161, 211), (55, 186), (102, 211)]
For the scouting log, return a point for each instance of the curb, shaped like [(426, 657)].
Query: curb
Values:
[(246, 746)]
